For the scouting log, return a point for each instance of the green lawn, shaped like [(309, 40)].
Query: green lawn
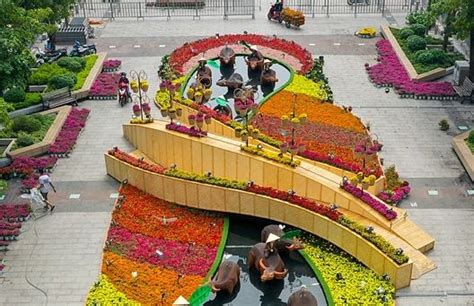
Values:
[(82, 76), (470, 145)]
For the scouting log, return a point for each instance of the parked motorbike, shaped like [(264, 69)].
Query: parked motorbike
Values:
[(82, 50), (123, 94), (275, 12), (48, 56), (352, 2)]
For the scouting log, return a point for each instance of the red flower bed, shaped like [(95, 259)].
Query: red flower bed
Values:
[(297, 200), (129, 159), (183, 54)]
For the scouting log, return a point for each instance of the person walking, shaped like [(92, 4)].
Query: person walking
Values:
[(45, 186)]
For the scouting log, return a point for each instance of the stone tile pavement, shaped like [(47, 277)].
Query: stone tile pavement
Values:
[(408, 128), (60, 254)]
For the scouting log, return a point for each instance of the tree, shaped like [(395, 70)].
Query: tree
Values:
[(461, 18), (61, 8), (18, 29)]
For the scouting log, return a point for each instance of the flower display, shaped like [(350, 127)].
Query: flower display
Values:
[(123, 156), (182, 55), (105, 86), (373, 202), (355, 283), (324, 210), (111, 65), (67, 137), (192, 131), (155, 251), (391, 72), (302, 85)]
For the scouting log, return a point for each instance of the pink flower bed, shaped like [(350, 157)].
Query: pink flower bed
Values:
[(13, 212), (105, 86), (192, 131), (183, 258), (391, 72), (27, 165), (111, 65), (367, 198), (396, 196), (69, 133)]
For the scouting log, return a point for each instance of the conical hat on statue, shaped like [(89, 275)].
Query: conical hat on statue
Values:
[(180, 301), (271, 238)]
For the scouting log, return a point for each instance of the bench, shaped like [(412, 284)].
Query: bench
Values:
[(466, 90), (57, 98)]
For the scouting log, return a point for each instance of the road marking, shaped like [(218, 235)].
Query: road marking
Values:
[(337, 44), (433, 192), (470, 192), (112, 47), (463, 128), (361, 44), (114, 195), (413, 204), (162, 46), (74, 195), (2, 197), (312, 44), (136, 46)]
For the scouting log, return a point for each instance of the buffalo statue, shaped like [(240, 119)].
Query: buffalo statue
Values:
[(282, 245), (267, 262), (302, 297), (226, 278)]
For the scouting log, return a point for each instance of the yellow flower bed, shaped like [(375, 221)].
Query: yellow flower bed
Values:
[(104, 293), (303, 85)]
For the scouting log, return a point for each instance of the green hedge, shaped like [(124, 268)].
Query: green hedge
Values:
[(412, 51)]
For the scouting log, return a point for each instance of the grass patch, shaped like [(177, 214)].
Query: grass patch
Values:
[(32, 98), (82, 75), (470, 145), (448, 61)]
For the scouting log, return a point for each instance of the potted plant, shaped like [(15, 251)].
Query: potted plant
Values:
[(136, 109)]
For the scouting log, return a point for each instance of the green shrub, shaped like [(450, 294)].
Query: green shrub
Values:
[(433, 56), (415, 43), (470, 139), (422, 18), (443, 125), (24, 140), (405, 33), (60, 81), (27, 124), (74, 64), (418, 29), (42, 75), (14, 95), (32, 98)]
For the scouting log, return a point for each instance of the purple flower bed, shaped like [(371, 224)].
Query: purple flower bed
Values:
[(111, 65), (105, 86), (27, 165), (69, 133), (193, 132), (367, 198), (396, 196), (390, 72)]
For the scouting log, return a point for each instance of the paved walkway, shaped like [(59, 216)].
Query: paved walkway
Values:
[(70, 241)]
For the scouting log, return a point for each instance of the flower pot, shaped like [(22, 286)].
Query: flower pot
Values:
[(199, 123), (208, 119), (164, 112), (244, 137), (237, 132), (136, 113), (179, 112), (172, 114)]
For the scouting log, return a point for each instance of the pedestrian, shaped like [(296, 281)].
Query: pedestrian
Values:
[(45, 186)]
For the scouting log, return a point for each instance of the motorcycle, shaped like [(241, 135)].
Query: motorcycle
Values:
[(48, 56), (275, 12), (82, 50), (123, 94), (355, 2)]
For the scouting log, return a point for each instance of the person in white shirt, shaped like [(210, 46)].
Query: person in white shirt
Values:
[(45, 185)]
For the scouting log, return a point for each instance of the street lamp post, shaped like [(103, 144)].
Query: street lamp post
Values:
[(289, 125), (139, 85)]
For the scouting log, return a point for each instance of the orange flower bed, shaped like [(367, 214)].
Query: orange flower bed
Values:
[(143, 213), (152, 285), (325, 113)]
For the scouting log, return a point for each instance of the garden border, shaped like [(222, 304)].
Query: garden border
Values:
[(220, 252), (464, 153), (83, 93), (43, 146), (427, 76)]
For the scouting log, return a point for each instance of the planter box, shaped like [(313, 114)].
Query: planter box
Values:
[(6, 143), (464, 153), (43, 146), (427, 76), (83, 93)]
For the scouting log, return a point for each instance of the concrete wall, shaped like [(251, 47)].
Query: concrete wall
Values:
[(209, 197)]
